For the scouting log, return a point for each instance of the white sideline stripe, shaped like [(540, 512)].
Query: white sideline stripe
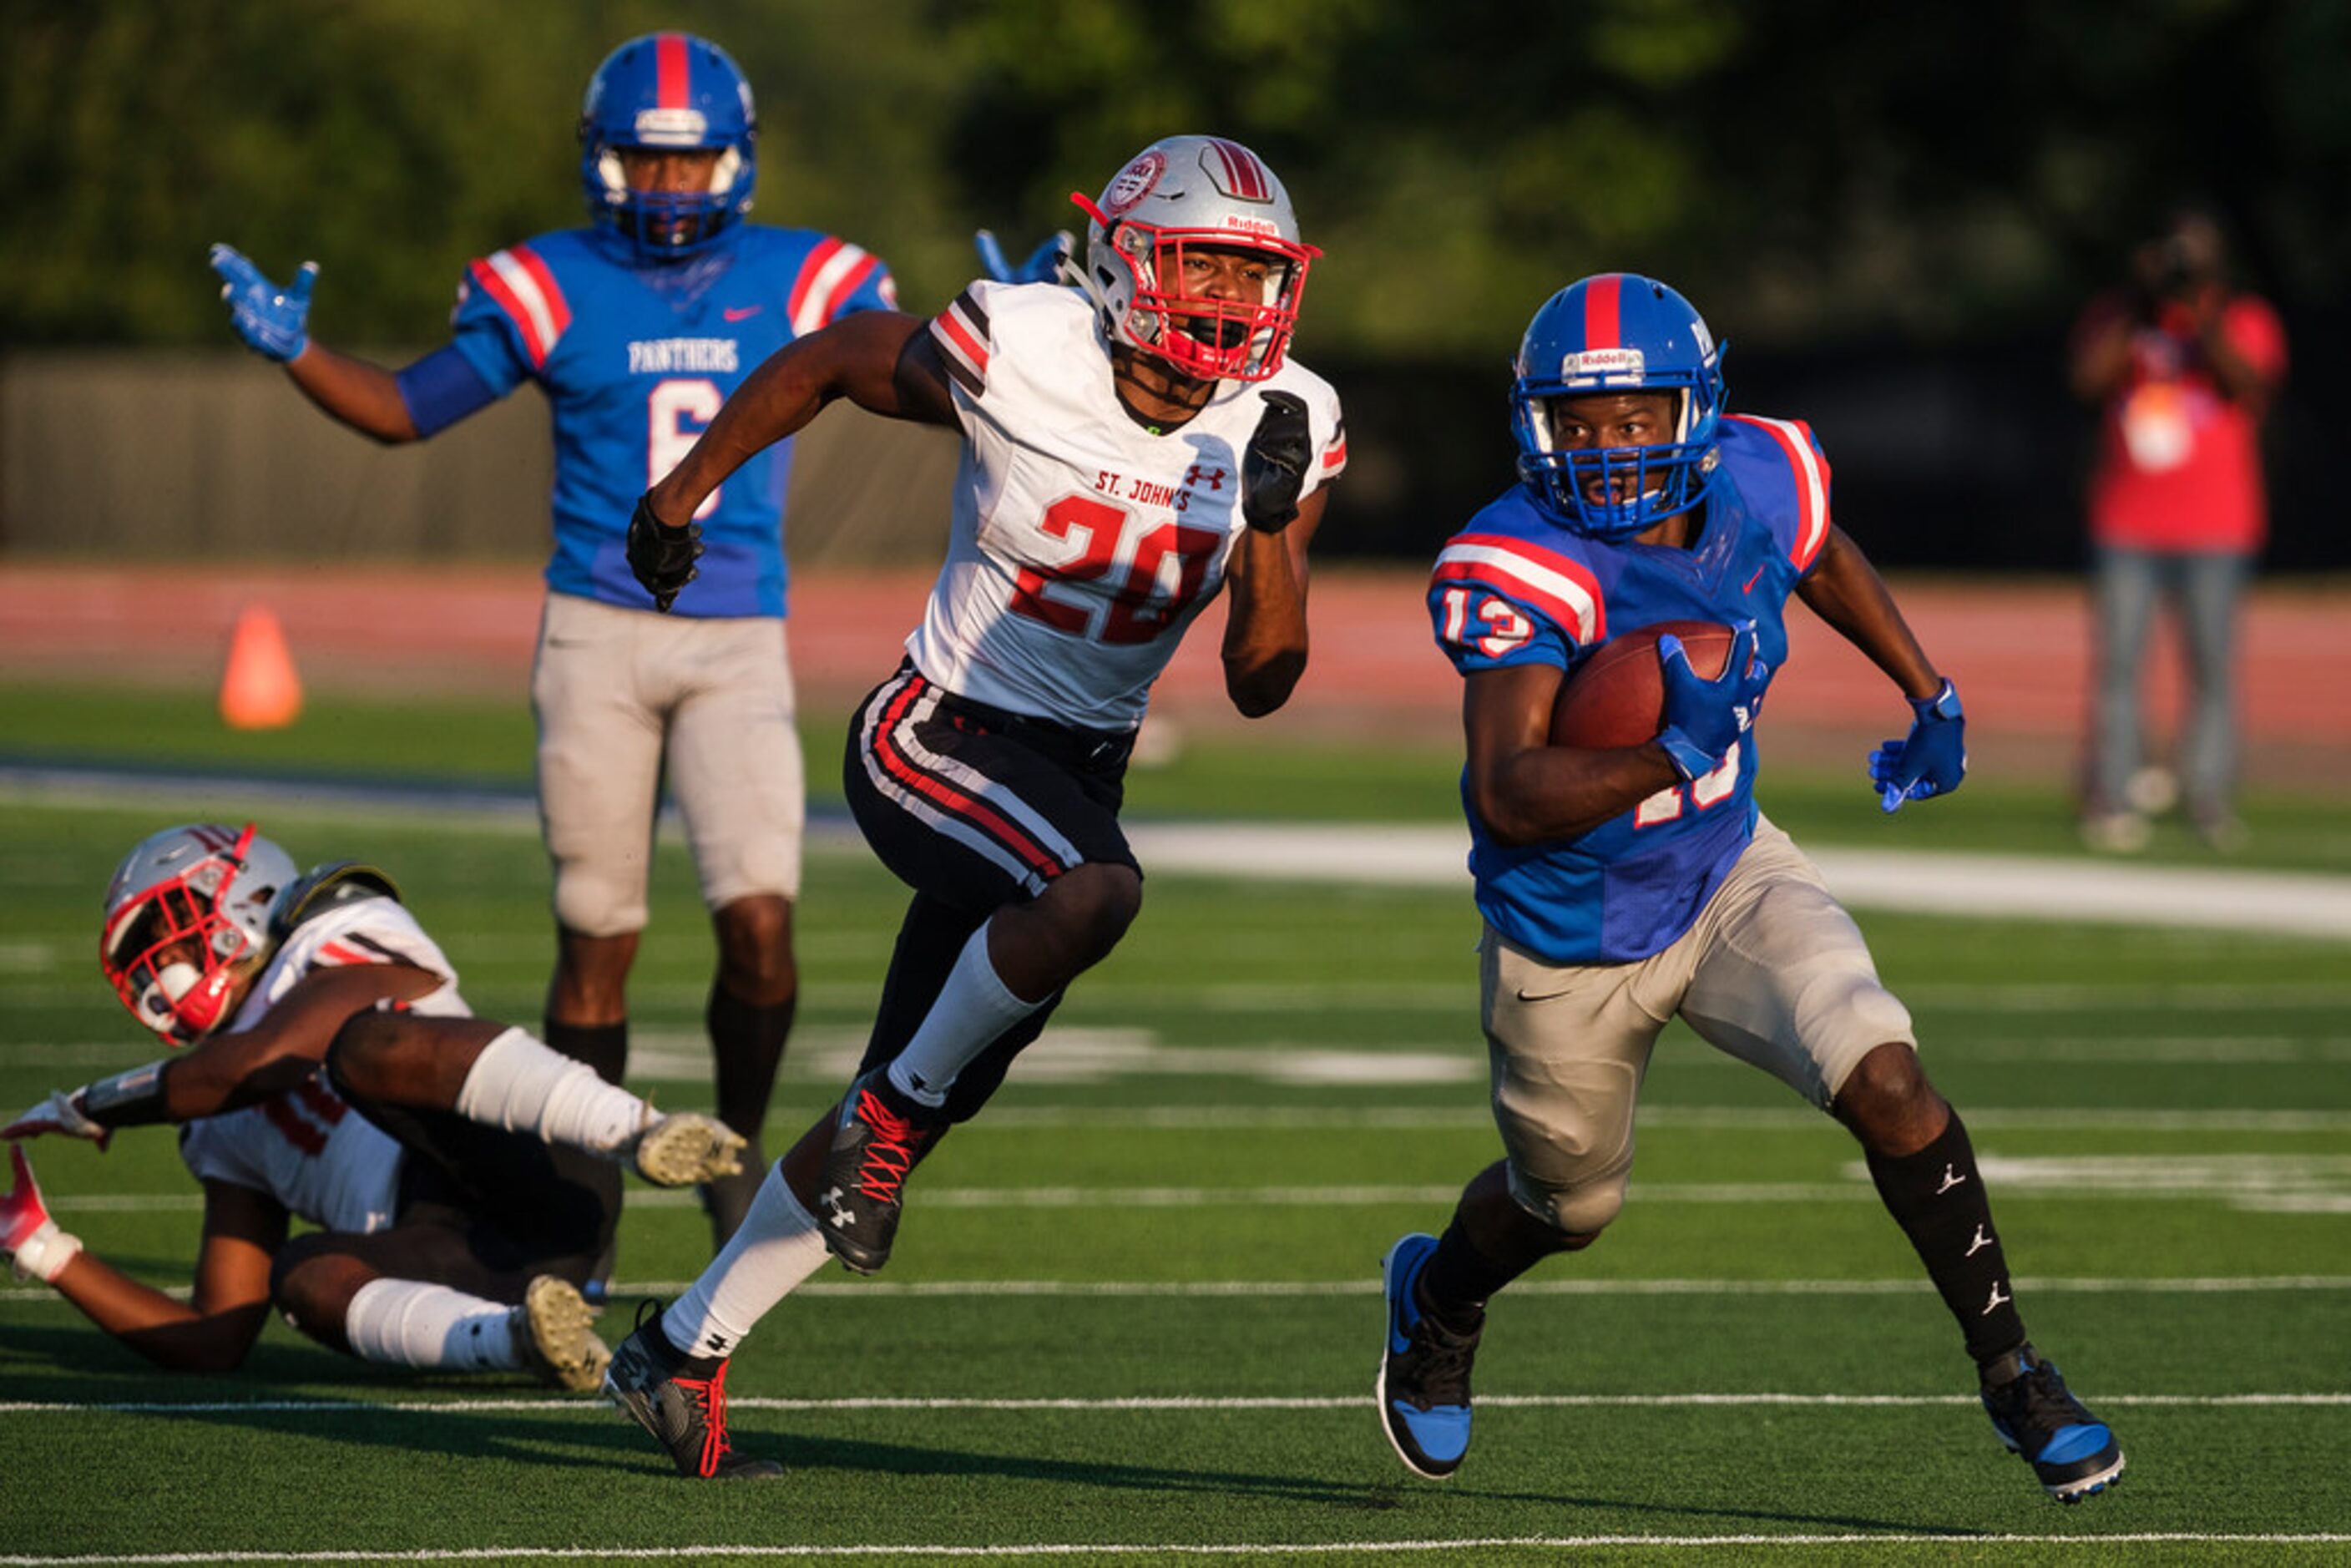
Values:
[(1400, 854), (1177, 1549), (1179, 1404), (1919, 882), (961, 1289)]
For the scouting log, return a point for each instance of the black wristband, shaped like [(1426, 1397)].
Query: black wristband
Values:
[(132, 1099)]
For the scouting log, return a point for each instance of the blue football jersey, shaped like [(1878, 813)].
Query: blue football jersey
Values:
[(1516, 588), (635, 362)]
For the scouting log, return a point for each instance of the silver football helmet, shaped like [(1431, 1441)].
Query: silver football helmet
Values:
[(187, 913), (1194, 192)]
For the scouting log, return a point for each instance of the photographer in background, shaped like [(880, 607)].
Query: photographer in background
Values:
[(2184, 367)]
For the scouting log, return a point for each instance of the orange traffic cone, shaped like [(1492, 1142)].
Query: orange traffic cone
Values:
[(260, 689)]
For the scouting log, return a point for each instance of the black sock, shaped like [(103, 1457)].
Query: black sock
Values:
[(1937, 1196), (1457, 1280), (746, 1045), (602, 1046)]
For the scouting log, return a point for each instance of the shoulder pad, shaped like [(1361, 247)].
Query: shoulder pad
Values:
[(327, 888)]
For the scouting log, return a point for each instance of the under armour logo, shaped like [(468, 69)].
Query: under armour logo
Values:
[(1951, 1178), (1214, 478), (840, 1217), (1997, 1301), (1979, 1244), (717, 1343)]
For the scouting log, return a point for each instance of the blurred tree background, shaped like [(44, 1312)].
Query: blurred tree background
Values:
[(1890, 213)]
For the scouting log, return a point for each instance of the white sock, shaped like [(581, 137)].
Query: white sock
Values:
[(524, 1085), (775, 1246), (406, 1323), (973, 1007)]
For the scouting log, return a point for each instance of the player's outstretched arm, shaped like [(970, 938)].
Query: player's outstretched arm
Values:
[(1525, 789), (879, 360), (213, 1329), (274, 322)]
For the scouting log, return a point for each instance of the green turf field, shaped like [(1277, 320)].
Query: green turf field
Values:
[(1133, 1314)]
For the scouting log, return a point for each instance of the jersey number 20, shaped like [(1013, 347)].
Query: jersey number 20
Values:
[(1139, 610)]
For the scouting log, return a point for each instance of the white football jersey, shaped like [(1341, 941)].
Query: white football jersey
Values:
[(1082, 544), (306, 1148)]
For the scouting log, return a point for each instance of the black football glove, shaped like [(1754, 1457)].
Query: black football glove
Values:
[(1273, 469), (662, 557)]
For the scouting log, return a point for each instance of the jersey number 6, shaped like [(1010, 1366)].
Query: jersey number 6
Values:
[(677, 412), (1138, 610)]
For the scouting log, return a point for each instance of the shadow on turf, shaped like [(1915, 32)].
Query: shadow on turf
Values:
[(606, 1441)]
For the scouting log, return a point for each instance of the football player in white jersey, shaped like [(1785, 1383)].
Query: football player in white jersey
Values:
[(1132, 445), (448, 1240)]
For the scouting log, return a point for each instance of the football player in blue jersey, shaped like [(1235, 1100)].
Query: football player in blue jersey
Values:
[(636, 328), (1623, 887)]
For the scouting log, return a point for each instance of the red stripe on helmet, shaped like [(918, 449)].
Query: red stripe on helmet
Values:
[(671, 74), (1600, 327), (1244, 175)]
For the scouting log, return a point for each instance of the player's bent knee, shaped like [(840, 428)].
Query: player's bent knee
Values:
[(1576, 1216), (359, 1057), (312, 1282)]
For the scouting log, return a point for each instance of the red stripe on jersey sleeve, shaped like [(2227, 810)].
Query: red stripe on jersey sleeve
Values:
[(559, 309), (814, 265), (486, 277)]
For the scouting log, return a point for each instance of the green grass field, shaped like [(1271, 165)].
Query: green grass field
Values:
[(1133, 1314)]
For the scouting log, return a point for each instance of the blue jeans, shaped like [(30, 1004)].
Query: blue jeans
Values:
[(2204, 589)]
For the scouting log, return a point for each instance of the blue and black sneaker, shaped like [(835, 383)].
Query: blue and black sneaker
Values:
[(2041, 1421), (1423, 1383)]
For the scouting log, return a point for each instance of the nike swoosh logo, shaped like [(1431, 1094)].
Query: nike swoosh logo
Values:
[(1750, 582), (1527, 996), (742, 313)]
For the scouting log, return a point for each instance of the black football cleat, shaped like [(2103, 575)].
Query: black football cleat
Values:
[(2071, 1450), (1423, 1382), (876, 1141), (682, 1400)]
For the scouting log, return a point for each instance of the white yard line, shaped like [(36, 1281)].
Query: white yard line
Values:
[(1412, 854)]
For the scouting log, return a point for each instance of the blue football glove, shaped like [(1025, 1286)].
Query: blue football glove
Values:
[(1704, 717), (1931, 762), (1043, 265), (272, 322)]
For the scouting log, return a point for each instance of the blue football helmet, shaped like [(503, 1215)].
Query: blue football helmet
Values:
[(1615, 332), (668, 93)]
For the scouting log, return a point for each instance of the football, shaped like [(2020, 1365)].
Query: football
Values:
[(1618, 695)]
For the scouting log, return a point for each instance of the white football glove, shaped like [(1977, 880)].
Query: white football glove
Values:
[(29, 1240), (60, 1112)]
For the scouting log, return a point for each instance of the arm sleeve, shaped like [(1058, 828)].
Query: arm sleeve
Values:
[(443, 388)]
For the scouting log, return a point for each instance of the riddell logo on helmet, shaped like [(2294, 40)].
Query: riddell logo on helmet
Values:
[(1135, 181), (1607, 364), (1253, 225), (671, 127)]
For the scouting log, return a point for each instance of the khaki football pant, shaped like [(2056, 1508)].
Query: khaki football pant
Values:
[(619, 693), (1773, 971)]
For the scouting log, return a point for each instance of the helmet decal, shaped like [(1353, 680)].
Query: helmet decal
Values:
[(1133, 182)]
